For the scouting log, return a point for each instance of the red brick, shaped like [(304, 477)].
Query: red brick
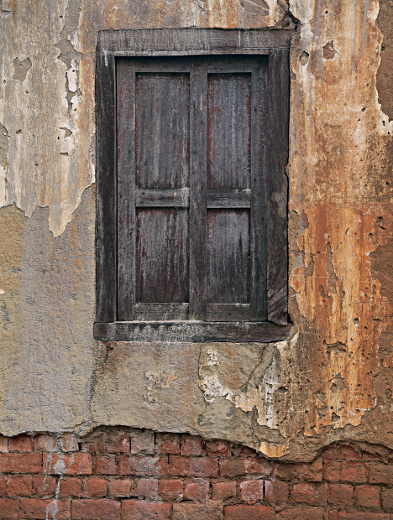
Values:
[(304, 492), (68, 463), (380, 473), (50, 509), (143, 442), (353, 472), (210, 510), (69, 442), (340, 494), (245, 451), (321, 496), (3, 486), (310, 472), (141, 510), (9, 509), (367, 496), (343, 515), (171, 489), (251, 491), (387, 499), (143, 466), (93, 443), (20, 462), (21, 485), (21, 443), (276, 492), (223, 490), (100, 509), (347, 452), (70, 487), (4, 446), (120, 488), (332, 470), (218, 449), (193, 466), (44, 442), (105, 465), (197, 491), (94, 487), (243, 467), (117, 442), (249, 513), (168, 443), (146, 488), (191, 446), (44, 486), (301, 513)]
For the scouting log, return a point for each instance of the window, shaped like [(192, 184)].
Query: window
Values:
[(192, 144)]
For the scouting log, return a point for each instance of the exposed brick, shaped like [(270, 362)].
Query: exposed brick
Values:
[(251, 491), (340, 494), (93, 443), (20, 462), (332, 470), (143, 466), (210, 510), (44, 442), (168, 443), (171, 489), (245, 451), (223, 490), (249, 513), (218, 449), (4, 445), (311, 472), (21, 443), (367, 496), (3, 486), (120, 488), (197, 491), (387, 499), (105, 465), (304, 492), (146, 488), (321, 494), (243, 467), (347, 452), (71, 487), (301, 513), (44, 485), (193, 466), (276, 492), (191, 446), (380, 473), (94, 487), (50, 509), (68, 463), (354, 472), (117, 442), (141, 510), (21, 485), (143, 442), (9, 509), (68, 442), (100, 509), (343, 515)]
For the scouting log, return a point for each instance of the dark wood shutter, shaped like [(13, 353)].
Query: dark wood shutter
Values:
[(191, 185)]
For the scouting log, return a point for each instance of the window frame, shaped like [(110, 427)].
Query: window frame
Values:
[(191, 42)]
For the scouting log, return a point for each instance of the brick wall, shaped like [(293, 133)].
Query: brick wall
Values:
[(123, 474)]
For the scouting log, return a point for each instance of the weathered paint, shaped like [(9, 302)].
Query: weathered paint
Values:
[(332, 379)]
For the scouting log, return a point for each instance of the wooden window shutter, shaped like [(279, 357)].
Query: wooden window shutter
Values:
[(199, 193)]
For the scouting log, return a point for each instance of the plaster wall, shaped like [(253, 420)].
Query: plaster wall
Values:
[(332, 379)]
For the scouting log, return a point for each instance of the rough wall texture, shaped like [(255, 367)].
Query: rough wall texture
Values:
[(332, 379)]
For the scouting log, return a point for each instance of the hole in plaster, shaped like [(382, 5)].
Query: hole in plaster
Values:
[(329, 51), (304, 58), (19, 131)]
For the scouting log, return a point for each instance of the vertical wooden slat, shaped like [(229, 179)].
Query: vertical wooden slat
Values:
[(278, 102), (198, 176), (106, 188), (126, 187), (259, 180)]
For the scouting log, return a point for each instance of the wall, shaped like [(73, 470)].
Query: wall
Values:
[(331, 381)]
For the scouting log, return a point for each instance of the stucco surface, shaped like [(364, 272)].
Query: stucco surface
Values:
[(332, 378)]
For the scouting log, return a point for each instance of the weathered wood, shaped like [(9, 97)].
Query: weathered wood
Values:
[(190, 331), (198, 179), (161, 311), (229, 198), (126, 188), (183, 42), (162, 252), (228, 312), (106, 189), (174, 198), (278, 123)]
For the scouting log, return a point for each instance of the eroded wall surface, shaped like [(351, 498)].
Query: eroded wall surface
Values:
[(332, 379)]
